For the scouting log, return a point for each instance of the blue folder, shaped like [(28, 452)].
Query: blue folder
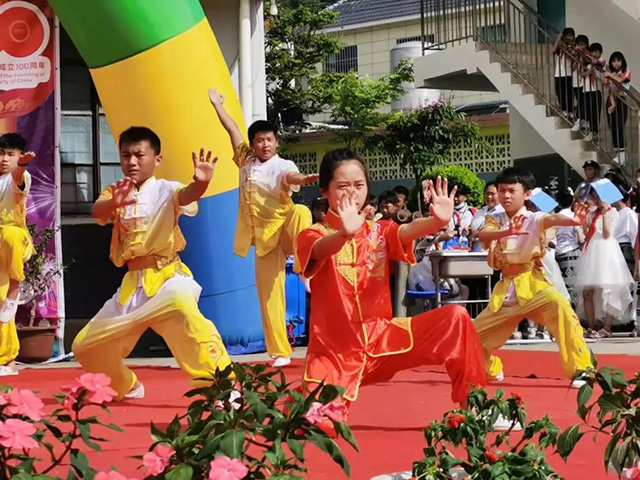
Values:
[(543, 202), (607, 191)]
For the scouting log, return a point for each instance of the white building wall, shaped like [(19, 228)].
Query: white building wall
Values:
[(605, 22), (526, 142)]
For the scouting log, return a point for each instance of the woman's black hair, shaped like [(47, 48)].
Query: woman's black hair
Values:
[(490, 184), (333, 159), (617, 56), (513, 175), (568, 31), (596, 47), (565, 198), (582, 39), (388, 196)]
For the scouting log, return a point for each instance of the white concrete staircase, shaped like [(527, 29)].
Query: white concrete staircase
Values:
[(473, 60)]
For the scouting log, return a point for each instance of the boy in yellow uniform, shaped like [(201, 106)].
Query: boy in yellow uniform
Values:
[(158, 291), (16, 246), (516, 242), (268, 219)]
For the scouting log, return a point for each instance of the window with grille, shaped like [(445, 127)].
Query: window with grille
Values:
[(431, 38), (344, 61)]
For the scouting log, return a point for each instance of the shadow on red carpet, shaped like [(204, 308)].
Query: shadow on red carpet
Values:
[(387, 419)]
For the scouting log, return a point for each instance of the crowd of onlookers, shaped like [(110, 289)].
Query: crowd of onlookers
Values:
[(581, 96)]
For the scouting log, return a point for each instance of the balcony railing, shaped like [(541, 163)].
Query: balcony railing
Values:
[(601, 110)]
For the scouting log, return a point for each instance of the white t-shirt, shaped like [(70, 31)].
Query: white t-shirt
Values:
[(627, 227), (590, 82), (461, 218), (266, 178), (566, 237), (563, 65)]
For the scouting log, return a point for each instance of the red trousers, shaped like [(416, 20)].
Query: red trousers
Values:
[(444, 336)]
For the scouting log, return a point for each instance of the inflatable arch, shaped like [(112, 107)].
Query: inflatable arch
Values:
[(152, 62)]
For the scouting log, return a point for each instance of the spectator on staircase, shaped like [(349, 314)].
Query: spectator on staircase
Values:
[(563, 78), (618, 78), (581, 56), (593, 92)]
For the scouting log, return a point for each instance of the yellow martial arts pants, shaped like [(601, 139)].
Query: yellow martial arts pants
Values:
[(270, 275), (16, 248), (172, 313), (9, 345), (549, 308)]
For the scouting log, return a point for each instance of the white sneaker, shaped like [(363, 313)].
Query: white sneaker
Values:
[(136, 394), (578, 382), (576, 126), (281, 362), (502, 425), (8, 370), (589, 138), (8, 310), (499, 377), (516, 335)]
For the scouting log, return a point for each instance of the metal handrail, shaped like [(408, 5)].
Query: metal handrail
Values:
[(523, 40)]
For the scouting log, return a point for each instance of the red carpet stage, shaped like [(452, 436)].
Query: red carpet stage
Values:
[(387, 420)]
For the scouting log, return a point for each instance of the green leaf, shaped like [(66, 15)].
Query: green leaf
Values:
[(609, 402), (173, 429), (297, 448), (610, 446), (584, 394), (329, 446), (345, 432), (181, 472), (232, 443), (567, 441), (157, 434), (80, 463)]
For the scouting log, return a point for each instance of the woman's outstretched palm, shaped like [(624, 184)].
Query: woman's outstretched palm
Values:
[(351, 218)]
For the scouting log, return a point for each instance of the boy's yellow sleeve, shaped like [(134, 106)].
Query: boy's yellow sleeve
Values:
[(105, 196), (491, 224), (241, 154)]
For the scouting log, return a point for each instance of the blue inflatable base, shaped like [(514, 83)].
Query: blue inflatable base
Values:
[(229, 298)]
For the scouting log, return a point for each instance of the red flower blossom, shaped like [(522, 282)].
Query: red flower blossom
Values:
[(455, 420), (491, 457), (517, 398)]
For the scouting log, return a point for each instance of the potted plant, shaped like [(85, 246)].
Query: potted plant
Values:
[(37, 334)]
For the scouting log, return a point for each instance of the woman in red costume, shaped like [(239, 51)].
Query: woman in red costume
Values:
[(354, 338)]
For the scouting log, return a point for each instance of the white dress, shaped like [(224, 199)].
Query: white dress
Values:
[(553, 273), (602, 267)]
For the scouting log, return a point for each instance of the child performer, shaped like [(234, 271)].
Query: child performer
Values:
[(16, 246), (602, 274), (517, 242), (354, 338), (158, 291), (268, 219)]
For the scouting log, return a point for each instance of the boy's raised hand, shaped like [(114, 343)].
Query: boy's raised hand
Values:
[(25, 158), (441, 206), (352, 219), (203, 166), (580, 212), (215, 98), (121, 192), (516, 226)]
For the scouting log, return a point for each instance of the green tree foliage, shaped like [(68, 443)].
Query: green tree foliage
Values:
[(295, 47), (426, 138), (355, 102)]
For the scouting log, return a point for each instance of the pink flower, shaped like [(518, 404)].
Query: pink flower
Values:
[(98, 386), (24, 402), (4, 399), (315, 414), (631, 473), (334, 411), (157, 460), (112, 475), (16, 433), (224, 468)]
